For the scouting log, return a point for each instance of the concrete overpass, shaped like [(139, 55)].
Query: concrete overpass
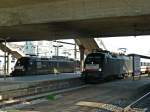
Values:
[(60, 19)]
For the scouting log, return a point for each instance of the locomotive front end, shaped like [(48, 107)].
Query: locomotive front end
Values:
[(20, 67), (93, 67)]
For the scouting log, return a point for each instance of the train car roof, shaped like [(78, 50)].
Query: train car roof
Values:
[(141, 56), (47, 59)]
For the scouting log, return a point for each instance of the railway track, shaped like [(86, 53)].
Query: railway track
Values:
[(24, 101), (97, 101), (140, 105)]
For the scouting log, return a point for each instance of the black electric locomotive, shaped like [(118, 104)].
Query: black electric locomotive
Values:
[(39, 66), (103, 64)]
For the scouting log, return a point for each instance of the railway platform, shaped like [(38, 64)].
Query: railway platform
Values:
[(14, 87), (111, 96)]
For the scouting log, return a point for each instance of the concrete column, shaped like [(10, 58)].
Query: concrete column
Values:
[(75, 51), (82, 50), (8, 63)]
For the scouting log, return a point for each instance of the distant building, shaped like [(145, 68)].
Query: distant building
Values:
[(29, 48)]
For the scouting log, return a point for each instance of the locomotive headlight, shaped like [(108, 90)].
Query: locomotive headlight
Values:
[(100, 69), (19, 68), (23, 69)]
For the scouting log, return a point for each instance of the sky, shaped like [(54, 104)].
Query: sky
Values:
[(138, 45)]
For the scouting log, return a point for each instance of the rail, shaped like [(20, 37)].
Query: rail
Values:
[(130, 107)]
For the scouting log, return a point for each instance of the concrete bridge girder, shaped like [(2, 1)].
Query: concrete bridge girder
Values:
[(88, 44), (69, 10), (36, 20)]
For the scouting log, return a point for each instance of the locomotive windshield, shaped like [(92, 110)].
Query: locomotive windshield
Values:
[(22, 61), (94, 58)]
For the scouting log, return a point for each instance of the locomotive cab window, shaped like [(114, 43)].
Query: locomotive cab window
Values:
[(22, 61), (94, 58), (22, 64)]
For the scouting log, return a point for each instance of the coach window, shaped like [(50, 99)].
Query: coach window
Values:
[(31, 63), (44, 64), (39, 65)]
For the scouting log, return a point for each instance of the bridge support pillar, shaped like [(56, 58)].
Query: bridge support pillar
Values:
[(82, 51), (8, 63)]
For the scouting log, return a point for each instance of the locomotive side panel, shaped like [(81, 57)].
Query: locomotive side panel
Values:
[(114, 67), (38, 66)]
